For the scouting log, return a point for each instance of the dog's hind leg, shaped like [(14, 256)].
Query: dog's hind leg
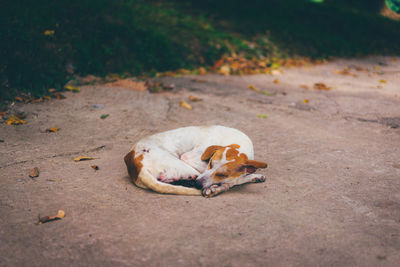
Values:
[(149, 181)]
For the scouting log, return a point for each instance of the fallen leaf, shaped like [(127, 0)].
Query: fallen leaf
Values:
[(71, 88), (194, 99), (345, 71), (15, 120), (95, 167), (48, 32), (377, 68), (34, 172), (276, 72), (304, 86), (199, 80), (306, 100), (321, 86), (382, 81), (45, 219), (82, 158), (58, 95), (19, 99), (104, 116), (201, 71), (52, 130), (37, 100), (266, 93), (262, 116), (185, 105), (219, 63), (252, 87), (225, 70), (276, 81), (128, 84)]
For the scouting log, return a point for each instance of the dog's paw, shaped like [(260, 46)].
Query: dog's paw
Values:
[(259, 179), (214, 190)]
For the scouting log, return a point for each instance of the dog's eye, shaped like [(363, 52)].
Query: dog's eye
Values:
[(220, 174)]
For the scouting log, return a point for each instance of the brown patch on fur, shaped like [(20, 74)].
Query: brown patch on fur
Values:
[(209, 152), (238, 164), (134, 165)]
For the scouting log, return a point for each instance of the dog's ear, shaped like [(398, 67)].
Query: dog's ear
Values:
[(257, 164), (251, 166), (209, 152)]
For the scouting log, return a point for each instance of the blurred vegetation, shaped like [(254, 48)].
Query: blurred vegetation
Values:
[(45, 43)]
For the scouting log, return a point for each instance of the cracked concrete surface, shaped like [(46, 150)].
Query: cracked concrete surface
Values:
[(332, 195)]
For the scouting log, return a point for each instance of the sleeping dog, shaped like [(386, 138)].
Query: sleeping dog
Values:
[(214, 157)]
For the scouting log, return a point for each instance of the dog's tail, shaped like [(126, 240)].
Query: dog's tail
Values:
[(147, 179)]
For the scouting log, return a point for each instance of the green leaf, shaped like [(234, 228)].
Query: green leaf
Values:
[(262, 116), (104, 116)]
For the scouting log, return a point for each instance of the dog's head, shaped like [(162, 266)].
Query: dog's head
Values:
[(225, 164)]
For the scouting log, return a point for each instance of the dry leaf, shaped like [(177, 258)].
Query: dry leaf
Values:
[(129, 84), (306, 100), (201, 71), (276, 72), (49, 32), (34, 172), (185, 105), (194, 99), (219, 63), (345, 71), (321, 86), (95, 167), (19, 99), (52, 130), (382, 81), (304, 86), (225, 70), (15, 120), (71, 88), (276, 81), (252, 87), (199, 80), (45, 219), (81, 158)]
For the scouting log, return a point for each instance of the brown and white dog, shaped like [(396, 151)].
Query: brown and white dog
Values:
[(215, 157)]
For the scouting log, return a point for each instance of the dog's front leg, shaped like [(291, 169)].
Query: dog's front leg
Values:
[(215, 189)]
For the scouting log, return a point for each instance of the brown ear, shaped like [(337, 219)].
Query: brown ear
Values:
[(209, 152), (257, 164)]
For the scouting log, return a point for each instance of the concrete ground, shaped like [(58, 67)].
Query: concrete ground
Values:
[(332, 195)]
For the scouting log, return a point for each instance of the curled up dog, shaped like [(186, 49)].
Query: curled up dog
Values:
[(215, 158)]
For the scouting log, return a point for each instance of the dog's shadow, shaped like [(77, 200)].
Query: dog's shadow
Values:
[(185, 183)]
